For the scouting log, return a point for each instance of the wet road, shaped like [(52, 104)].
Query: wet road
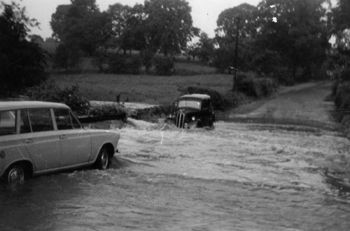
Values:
[(234, 177), (262, 175)]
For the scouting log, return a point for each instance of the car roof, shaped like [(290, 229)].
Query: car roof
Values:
[(14, 105), (196, 96)]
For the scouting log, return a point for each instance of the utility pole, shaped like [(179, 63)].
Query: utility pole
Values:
[(238, 19)]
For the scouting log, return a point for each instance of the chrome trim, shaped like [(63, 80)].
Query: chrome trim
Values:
[(180, 119)]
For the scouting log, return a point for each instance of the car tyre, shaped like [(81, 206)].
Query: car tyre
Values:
[(15, 174), (103, 160)]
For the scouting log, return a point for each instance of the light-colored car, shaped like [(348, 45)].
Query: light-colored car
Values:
[(42, 137)]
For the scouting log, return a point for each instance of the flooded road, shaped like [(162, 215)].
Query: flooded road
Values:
[(237, 176)]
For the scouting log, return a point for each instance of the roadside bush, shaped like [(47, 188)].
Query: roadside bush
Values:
[(51, 92), (147, 58), (119, 64), (164, 66), (106, 110), (235, 98), (342, 99), (100, 61), (251, 85), (67, 56)]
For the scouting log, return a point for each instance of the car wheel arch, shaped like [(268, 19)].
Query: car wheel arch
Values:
[(109, 147), (26, 165)]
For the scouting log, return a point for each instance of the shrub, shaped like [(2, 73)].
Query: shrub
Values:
[(119, 64), (50, 91), (251, 85), (67, 56), (100, 60), (164, 66), (133, 65), (106, 110), (342, 97), (148, 57)]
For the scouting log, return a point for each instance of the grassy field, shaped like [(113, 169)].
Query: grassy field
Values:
[(141, 88)]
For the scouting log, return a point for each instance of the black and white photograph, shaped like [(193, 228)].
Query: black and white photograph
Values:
[(174, 115)]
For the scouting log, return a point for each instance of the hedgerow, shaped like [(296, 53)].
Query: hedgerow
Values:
[(69, 95)]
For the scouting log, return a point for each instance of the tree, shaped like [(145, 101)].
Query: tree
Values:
[(297, 31), (119, 15), (237, 21), (36, 38), (168, 25), (59, 22), (22, 62), (81, 23), (228, 21), (67, 56), (128, 26), (340, 57), (206, 47), (341, 16)]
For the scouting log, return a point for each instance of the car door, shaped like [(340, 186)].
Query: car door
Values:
[(75, 141), (206, 113), (12, 147), (38, 134)]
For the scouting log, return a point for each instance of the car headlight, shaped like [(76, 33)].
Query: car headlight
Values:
[(193, 118)]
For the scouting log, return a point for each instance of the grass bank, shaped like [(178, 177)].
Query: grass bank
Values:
[(141, 88)]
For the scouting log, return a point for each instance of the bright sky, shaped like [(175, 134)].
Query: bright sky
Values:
[(204, 12)]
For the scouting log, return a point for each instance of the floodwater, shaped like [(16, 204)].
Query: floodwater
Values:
[(237, 176)]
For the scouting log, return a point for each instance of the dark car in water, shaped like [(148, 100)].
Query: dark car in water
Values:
[(192, 111)]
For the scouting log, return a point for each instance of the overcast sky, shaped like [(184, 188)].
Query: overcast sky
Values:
[(204, 12)]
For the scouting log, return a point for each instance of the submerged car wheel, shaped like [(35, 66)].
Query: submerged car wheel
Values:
[(103, 160), (15, 174)]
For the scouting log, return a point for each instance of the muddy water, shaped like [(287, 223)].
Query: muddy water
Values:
[(233, 177)]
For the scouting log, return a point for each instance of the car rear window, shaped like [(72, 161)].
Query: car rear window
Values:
[(7, 123)]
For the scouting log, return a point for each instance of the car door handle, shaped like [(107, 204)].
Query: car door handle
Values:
[(63, 137), (29, 141)]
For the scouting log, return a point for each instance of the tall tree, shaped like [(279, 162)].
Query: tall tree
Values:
[(206, 47), (242, 16), (22, 63), (168, 25), (297, 31), (81, 23), (341, 30), (128, 26), (235, 24)]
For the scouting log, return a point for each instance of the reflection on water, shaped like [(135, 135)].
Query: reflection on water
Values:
[(234, 179)]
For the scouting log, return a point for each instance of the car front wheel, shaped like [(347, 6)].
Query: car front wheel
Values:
[(15, 174), (103, 160)]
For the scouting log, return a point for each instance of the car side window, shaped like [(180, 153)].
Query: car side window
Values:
[(24, 123), (40, 119), (63, 119), (7, 123), (205, 105)]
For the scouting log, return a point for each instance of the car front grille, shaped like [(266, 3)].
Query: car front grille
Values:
[(180, 120)]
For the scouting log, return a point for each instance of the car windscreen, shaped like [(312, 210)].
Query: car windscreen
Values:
[(188, 103)]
